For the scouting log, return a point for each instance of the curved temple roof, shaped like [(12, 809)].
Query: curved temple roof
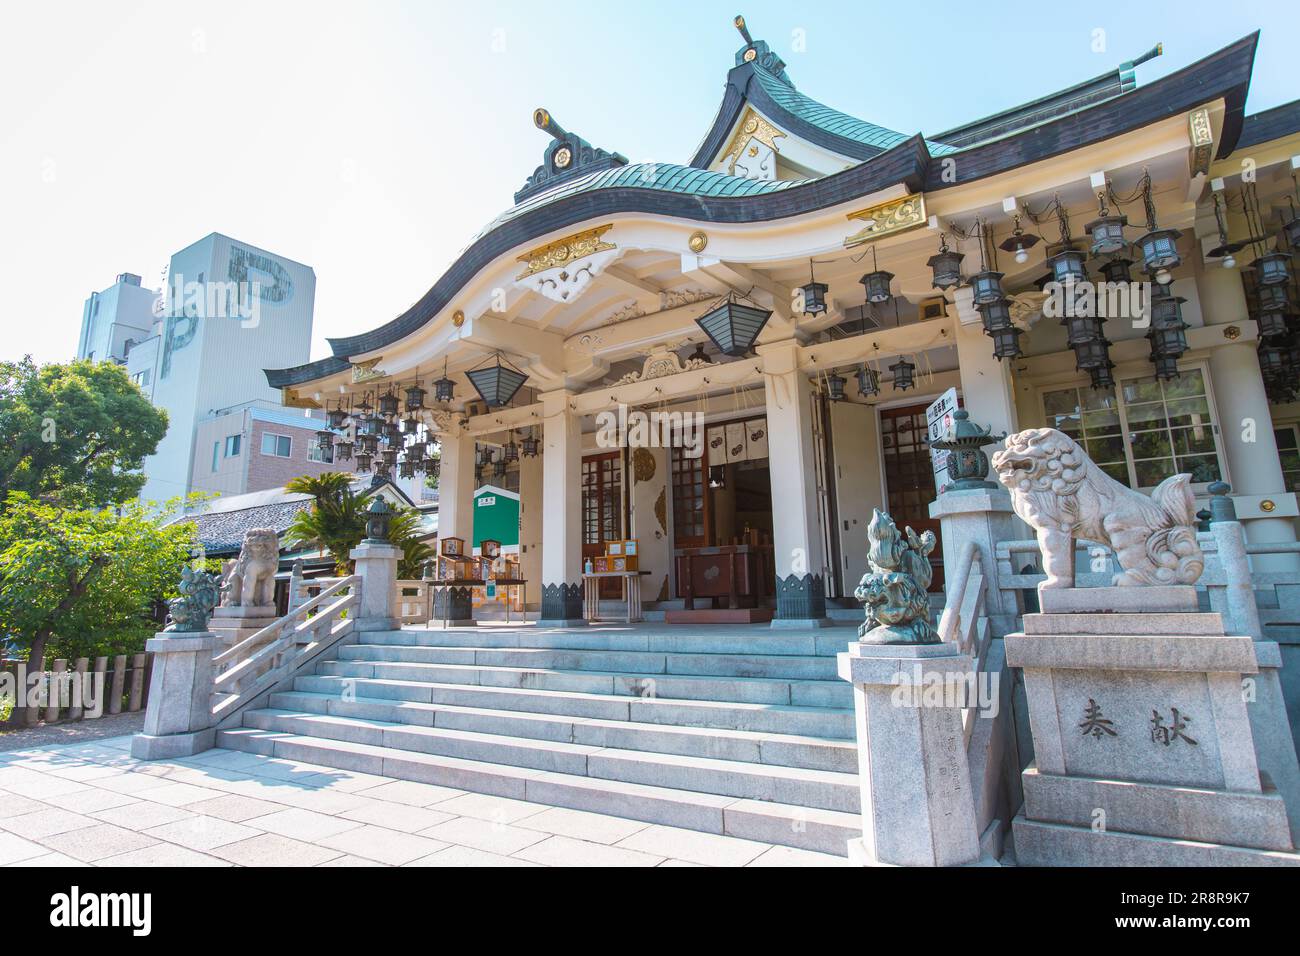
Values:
[(692, 193)]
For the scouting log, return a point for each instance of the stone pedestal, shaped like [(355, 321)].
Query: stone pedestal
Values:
[(232, 625), (178, 720), (917, 805), (1143, 744), (985, 516), (376, 563)]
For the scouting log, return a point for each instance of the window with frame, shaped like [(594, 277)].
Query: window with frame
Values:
[(232, 446), (1145, 429), (277, 446), (688, 498), (1288, 452), (216, 454), (602, 497)]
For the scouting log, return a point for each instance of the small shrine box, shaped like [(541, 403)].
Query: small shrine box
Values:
[(452, 547)]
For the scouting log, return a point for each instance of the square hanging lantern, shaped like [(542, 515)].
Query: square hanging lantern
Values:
[(392, 433), (1273, 298), (868, 381), (877, 286), (814, 298), (496, 384), (1068, 266), (733, 328), (529, 447), (1159, 250), (903, 370), (388, 404), (369, 443), (444, 390), (416, 450), (511, 451), (1291, 230), (996, 319), (1117, 269), (415, 398), (325, 440), (406, 469), (1166, 366), (946, 267), (835, 386), (1272, 268), (1272, 359), (343, 451), (382, 471), (388, 456), (410, 425), (364, 461), (336, 417), (499, 469), (1091, 354), (986, 287), (1081, 329), (432, 466), (1107, 234), (1271, 324), (1100, 376)]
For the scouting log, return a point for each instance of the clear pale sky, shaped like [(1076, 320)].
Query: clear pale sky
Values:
[(372, 140)]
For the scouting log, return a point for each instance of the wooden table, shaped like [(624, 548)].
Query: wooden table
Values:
[(631, 593)]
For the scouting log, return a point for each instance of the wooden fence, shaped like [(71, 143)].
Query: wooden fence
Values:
[(124, 680)]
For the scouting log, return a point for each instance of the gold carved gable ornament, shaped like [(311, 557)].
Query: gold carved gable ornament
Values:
[(752, 126), (580, 245), (887, 218)]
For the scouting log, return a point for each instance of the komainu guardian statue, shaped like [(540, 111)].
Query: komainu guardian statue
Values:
[(896, 588), (190, 611), (251, 582), (1062, 495)]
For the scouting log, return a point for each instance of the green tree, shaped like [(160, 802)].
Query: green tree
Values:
[(83, 582), (336, 523), (76, 433)]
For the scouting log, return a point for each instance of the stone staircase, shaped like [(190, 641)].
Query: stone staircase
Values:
[(738, 730)]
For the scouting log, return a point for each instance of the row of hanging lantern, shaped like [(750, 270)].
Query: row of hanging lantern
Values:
[(489, 463), (1279, 335)]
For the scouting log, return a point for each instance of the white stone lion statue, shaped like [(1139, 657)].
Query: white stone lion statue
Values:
[(1058, 490), (251, 581)]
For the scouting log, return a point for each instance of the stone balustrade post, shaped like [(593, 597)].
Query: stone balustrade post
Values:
[(376, 564), (985, 516), (178, 719)]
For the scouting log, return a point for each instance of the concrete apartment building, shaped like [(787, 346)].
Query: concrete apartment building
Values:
[(257, 446), (115, 320)]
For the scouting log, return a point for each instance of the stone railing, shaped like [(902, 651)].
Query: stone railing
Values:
[(260, 661), (412, 601), (964, 623)]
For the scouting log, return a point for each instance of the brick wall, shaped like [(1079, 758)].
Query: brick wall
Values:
[(269, 471)]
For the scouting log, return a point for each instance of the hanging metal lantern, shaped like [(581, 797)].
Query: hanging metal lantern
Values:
[(432, 466), (529, 447), (415, 398), (388, 404), (325, 441), (406, 469), (1159, 249), (1273, 298), (1068, 266), (369, 443), (1117, 269), (1101, 377), (410, 425), (497, 384), (416, 450), (343, 451), (814, 294), (379, 517), (511, 451), (1272, 324), (1291, 230), (499, 469), (364, 461), (986, 287), (996, 318), (835, 386), (336, 417), (392, 433), (1272, 358), (945, 266), (733, 328), (1107, 233), (868, 381), (1019, 243), (877, 286), (903, 370), (444, 390), (1272, 268), (1094, 353), (1081, 329), (382, 472), (1168, 337), (1166, 366), (388, 456)]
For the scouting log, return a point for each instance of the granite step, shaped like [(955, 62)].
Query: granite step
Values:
[(827, 790), (718, 639), (787, 824), (778, 749), (832, 723), (640, 662), (813, 693)]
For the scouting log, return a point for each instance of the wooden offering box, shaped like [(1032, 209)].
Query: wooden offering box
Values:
[(452, 547)]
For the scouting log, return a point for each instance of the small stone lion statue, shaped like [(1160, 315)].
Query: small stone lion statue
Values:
[(896, 588), (251, 581), (1060, 493), (190, 612)]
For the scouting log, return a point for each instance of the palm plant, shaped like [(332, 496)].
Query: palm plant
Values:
[(336, 523)]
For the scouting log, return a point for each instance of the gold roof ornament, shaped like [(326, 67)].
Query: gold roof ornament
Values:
[(566, 250), (367, 371), (752, 127), (887, 218)]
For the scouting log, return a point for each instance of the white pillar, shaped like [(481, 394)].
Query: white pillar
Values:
[(456, 485), (1255, 467), (562, 505), (987, 391), (532, 523), (796, 525)]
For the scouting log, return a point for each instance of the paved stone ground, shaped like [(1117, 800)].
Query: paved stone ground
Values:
[(93, 804)]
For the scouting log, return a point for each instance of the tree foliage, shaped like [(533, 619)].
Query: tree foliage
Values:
[(336, 523), (80, 582), (76, 434)]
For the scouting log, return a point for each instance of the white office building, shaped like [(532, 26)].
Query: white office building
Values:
[(115, 320)]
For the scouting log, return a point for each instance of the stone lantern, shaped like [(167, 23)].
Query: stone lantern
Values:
[(967, 463), (378, 518)]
